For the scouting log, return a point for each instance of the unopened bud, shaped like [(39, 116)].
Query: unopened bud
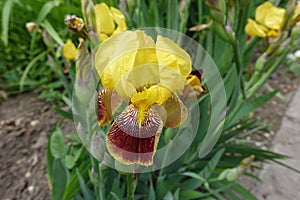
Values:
[(74, 23), (217, 10), (225, 33), (31, 26)]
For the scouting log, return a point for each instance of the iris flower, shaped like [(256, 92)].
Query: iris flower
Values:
[(109, 21), (268, 21), (69, 50), (147, 75)]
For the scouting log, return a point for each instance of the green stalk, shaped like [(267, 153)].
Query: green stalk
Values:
[(239, 67), (276, 64), (129, 186), (102, 187)]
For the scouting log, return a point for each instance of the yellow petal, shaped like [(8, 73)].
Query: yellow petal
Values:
[(69, 50), (156, 94), (117, 56), (144, 75), (171, 55), (103, 37), (104, 19), (273, 33), (253, 29), (269, 15), (171, 79), (296, 16), (112, 49), (192, 89), (119, 18), (176, 111)]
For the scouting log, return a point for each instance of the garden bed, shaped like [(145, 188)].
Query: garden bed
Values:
[(26, 121)]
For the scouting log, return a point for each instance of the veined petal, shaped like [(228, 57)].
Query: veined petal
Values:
[(69, 50), (131, 143), (105, 116), (269, 15), (176, 111), (171, 55), (104, 19), (253, 29), (108, 102)]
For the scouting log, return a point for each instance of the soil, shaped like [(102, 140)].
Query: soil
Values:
[(26, 121), (272, 112), (25, 124)]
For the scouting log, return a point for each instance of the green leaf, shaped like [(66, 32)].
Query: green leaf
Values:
[(53, 33), (69, 161), (45, 11), (204, 174), (50, 160), (5, 19), (243, 192), (73, 185), (65, 114), (248, 106), (194, 175), (172, 15), (168, 196), (190, 194), (28, 67), (60, 179), (57, 143), (151, 190), (87, 193)]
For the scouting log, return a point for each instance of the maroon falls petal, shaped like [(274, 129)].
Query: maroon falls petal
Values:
[(132, 143), (105, 115)]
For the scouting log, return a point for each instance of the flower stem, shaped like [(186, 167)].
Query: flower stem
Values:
[(129, 186), (239, 67)]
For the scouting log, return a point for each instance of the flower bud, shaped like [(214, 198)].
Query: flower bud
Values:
[(74, 23), (87, 7), (225, 33), (217, 10), (31, 26)]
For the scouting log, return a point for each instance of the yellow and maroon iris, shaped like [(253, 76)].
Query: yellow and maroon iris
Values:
[(146, 75)]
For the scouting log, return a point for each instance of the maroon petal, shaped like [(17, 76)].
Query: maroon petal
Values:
[(131, 143), (108, 102)]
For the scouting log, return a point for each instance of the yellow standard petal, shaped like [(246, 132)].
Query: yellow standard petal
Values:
[(104, 19), (69, 50), (269, 15), (253, 29), (171, 55), (119, 18), (117, 56)]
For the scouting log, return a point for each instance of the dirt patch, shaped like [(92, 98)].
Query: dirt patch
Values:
[(25, 124), (272, 112)]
